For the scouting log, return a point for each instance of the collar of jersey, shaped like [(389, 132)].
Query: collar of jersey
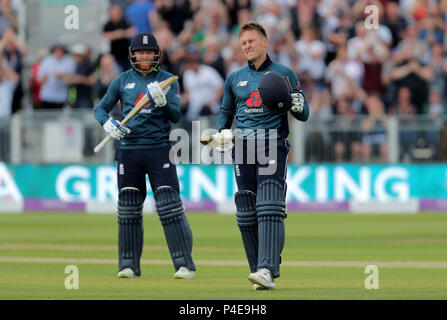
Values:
[(263, 66)]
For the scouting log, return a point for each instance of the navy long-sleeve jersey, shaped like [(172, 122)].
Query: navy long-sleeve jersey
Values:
[(151, 127), (241, 100)]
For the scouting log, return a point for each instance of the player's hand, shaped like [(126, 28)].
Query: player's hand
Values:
[(223, 140), (115, 129), (156, 92), (297, 102)]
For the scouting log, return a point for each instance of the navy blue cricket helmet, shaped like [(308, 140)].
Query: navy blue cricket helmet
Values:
[(144, 41), (274, 91)]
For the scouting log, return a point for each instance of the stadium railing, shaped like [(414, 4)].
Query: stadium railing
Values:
[(69, 136)]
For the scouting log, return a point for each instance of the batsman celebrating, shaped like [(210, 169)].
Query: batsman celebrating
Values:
[(144, 149), (260, 96)]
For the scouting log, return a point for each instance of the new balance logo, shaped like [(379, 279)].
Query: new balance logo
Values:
[(130, 85), (242, 83), (166, 166)]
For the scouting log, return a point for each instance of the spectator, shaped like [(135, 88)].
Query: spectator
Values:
[(311, 53), (374, 32), (395, 22), (211, 20), (233, 56), (108, 70), (411, 73), (431, 29), (83, 78), (375, 138), (14, 50), (212, 56), (339, 36), (176, 13), (8, 17), (8, 82), (54, 92), (304, 14), (319, 98), (118, 31), (143, 16), (124, 4), (411, 39), (356, 45), (344, 74), (282, 50), (407, 7), (345, 136), (274, 17), (203, 86), (243, 15), (175, 57), (403, 105), (390, 91), (405, 111), (436, 110), (234, 8), (34, 85), (167, 38), (438, 64), (373, 57)]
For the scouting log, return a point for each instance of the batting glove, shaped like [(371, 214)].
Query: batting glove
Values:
[(115, 129), (223, 140), (297, 102), (156, 92)]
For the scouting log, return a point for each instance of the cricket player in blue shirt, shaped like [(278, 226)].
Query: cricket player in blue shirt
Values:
[(144, 149), (260, 199)]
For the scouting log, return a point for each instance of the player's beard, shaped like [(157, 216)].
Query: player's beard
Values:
[(145, 63), (145, 66)]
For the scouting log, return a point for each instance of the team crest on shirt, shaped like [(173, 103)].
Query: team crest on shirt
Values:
[(146, 107), (254, 100), (253, 103)]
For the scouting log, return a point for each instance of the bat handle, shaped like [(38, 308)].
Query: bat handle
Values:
[(103, 143)]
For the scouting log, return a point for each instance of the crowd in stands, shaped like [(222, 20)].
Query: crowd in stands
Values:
[(350, 63)]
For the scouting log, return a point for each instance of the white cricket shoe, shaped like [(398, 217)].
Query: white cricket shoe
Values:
[(262, 277), (127, 273), (184, 273)]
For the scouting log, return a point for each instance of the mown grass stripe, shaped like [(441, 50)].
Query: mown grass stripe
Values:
[(346, 264)]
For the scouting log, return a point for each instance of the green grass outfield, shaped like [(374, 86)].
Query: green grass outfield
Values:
[(325, 256)]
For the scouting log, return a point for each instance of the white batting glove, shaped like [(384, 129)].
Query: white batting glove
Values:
[(297, 102), (156, 92), (223, 140), (115, 129)]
